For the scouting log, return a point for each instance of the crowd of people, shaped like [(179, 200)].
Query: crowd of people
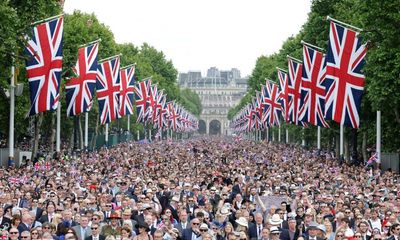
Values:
[(205, 188)]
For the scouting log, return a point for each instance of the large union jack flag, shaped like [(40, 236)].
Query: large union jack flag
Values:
[(44, 65), (142, 95), (108, 89), (272, 107), (344, 78), (80, 89), (312, 91), (127, 91), (283, 94), (293, 90)]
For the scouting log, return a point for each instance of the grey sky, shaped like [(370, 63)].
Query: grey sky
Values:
[(196, 35)]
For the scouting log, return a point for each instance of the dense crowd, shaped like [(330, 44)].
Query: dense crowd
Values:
[(198, 189)]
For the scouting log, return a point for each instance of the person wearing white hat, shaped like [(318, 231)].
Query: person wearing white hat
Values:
[(275, 220), (274, 233), (242, 224)]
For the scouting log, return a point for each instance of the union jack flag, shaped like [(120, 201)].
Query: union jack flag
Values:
[(163, 112), (13, 180), (312, 91), (79, 90), (293, 90), (127, 89), (344, 80), (108, 89), (272, 107), (44, 65), (173, 115), (283, 94), (142, 92)]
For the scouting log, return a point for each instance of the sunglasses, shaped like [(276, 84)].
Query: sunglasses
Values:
[(275, 233), (14, 232), (46, 227), (339, 235), (94, 228), (196, 223), (358, 236), (24, 237), (34, 233), (203, 230)]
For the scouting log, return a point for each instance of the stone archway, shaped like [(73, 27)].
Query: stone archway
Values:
[(202, 127), (215, 127)]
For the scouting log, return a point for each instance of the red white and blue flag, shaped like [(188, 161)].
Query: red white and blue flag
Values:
[(293, 90), (272, 107), (173, 115), (44, 65), (344, 80), (80, 89), (142, 95), (127, 90), (312, 91), (108, 89), (283, 94)]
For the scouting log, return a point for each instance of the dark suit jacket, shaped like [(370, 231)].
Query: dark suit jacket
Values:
[(253, 232), (101, 237), (286, 236), (285, 224), (179, 227), (22, 227), (187, 234), (44, 218), (308, 238)]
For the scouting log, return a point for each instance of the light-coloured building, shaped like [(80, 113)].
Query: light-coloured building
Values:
[(218, 91)]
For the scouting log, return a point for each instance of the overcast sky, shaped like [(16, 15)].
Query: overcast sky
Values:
[(200, 34)]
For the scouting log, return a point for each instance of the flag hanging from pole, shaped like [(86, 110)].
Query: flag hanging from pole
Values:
[(344, 80), (272, 108), (142, 95), (44, 65), (293, 90), (127, 89), (108, 89), (80, 89), (283, 94), (312, 91)]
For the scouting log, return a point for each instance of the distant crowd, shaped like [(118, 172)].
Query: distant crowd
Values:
[(206, 188)]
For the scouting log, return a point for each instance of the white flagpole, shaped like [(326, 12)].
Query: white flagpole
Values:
[(129, 125), (279, 133), (150, 134), (303, 140), (378, 136), (267, 134), (58, 132), (138, 136), (319, 137), (86, 129), (341, 140), (12, 107), (287, 135), (106, 137)]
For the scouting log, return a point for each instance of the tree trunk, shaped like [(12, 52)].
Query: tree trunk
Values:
[(346, 148), (71, 142), (95, 133), (354, 143), (364, 146), (38, 125), (53, 132), (80, 133)]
